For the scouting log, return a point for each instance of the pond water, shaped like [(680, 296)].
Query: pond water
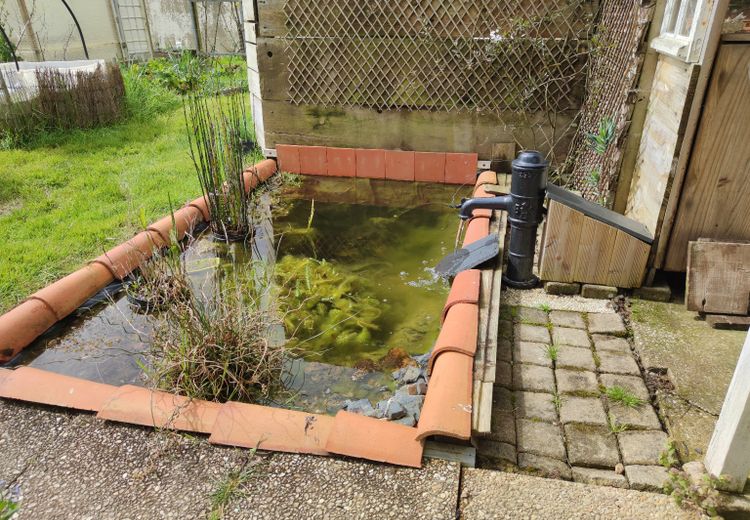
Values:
[(354, 282)]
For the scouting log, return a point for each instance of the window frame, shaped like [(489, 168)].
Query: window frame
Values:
[(688, 48)]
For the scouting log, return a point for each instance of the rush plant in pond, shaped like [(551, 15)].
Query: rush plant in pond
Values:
[(216, 128)]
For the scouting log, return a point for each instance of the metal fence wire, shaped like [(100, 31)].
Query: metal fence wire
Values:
[(500, 57)]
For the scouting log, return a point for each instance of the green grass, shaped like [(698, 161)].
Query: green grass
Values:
[(68, 198), (623, 396), (226, 490), (551, 351)]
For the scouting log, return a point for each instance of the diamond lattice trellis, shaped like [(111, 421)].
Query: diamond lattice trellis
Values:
[(469, 55)]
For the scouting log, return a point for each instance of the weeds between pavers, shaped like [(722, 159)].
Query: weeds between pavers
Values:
[(623, 396), (700, 496)]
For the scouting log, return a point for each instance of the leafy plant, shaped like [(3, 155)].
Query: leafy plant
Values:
[(605, 134), (594, 177), (544, 307), (551, 352), (693, 493), (623, 396)]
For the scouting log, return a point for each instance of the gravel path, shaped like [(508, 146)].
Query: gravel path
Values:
[(490, 495)]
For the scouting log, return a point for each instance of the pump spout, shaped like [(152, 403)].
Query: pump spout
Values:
[(467, 206)]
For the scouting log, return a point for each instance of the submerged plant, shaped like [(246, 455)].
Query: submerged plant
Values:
[(216, 128)]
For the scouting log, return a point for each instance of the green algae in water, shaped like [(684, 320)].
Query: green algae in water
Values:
[(357, 281)]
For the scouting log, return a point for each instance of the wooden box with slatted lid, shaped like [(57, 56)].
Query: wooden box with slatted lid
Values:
[(586, 243)]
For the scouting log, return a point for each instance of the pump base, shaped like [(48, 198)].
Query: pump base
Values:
[(515, 284)]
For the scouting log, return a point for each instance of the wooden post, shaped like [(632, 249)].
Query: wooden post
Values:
[(729, 450)]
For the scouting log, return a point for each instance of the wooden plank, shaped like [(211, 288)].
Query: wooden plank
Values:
[(715, 200), (484, 421), (627, 264), (594, 252), (493, 324), (718, 279), (728, 452), (728, 322), (465, 455), (562, 236)]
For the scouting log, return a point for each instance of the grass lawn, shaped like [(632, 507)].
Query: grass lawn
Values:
[(66, 202)]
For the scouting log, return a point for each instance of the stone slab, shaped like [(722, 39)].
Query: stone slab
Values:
[(531, 315), (568, 336), (533, 378), (503, 427), (544, 466), (579, 358), (599, 292), (640, 417), (642, 447), (633, 384), (535, 405), (611, 343), (598, 477), (501, 451), (646, 478), (562, 288), (586, 410), (576, 382), (570, 319), (531, 353), (615, 363), (535, 333), (606, 323), (540, 438), (591, 446)]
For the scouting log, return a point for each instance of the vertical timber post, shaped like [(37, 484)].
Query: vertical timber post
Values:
[(728, 452)]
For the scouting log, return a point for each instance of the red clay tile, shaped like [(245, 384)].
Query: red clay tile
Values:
[(464, 289), (370, 163), (137, 405), (288, 157), (259, 172), (488, 177), (69, 292), (479, 191), (276, 429), (481, 213), (40, 386), (201, 203), (23, 324), (476, 228), (363, 437), (460, 168), (342, 162), (447, 406), (312, 160), (458, 333), (399, 166), (429, 167)]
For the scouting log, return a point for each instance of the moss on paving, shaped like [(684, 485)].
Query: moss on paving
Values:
[(68, 199)]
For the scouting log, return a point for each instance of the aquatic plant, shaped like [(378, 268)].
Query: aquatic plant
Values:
[(219, 348), (326, 308), (216, 128)]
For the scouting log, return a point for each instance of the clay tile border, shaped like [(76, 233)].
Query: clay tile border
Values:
[(447, 406), (369, 438), (44, 387), (276, 429), (488, 177), (476, 229), (464, 289), (145, 407), (458, 333)]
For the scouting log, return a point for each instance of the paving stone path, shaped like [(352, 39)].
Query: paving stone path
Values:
[(559, 406)]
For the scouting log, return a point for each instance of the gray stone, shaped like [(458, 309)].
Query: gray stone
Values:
[(530, 315), (575, 357), (535, 405), (656, 293), (411, 374), (391, 409), (573, 320), (576, 382), (540, 438), (611, 343), (640, 417), (566, 336), (505, 329), (495, 450), (503, 374), (533, 378), (646, 478), (591, 446), (696, 471), (562, 288), (588, 410), (615, 363), (504, 350), (360, 406), (535, 333), (599, 477), (633, 384), (422, 359), (606, 323), (502, 399), (642, 447), (409, 420), (418, 388), (544, 466), (531, 353), (503, 427), (411, 403), (599, 292)]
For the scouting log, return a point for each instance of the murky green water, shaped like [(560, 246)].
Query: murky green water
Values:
[(353, 281)]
